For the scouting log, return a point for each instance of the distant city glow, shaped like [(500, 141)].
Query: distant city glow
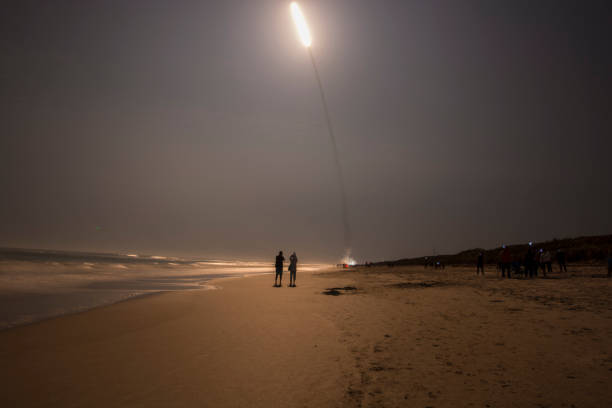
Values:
[(300, 23)]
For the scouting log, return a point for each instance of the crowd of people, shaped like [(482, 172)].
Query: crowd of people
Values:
[(433, 263), (531, 263), (534, 260)]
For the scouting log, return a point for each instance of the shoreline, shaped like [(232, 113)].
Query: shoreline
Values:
[(128, 296), (77, 312)]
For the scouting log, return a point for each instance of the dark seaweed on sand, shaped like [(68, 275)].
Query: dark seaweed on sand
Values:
[(339, 291)]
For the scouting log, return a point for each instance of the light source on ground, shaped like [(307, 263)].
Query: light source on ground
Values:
[(348, 260)]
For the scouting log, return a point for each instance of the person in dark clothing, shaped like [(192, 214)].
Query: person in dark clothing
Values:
[(516, 267), (561, 260), (480, 264), (529, 262), (506, 262), (536, 262), (546, 260), (279, 269), (292, 269)]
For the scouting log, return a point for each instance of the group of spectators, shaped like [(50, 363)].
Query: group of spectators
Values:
[(533, 261), (434, 264)]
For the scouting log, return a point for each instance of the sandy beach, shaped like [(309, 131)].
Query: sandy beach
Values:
[(385, 337)]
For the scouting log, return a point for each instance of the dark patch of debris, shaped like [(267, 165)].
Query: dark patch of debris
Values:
[(339, 291)]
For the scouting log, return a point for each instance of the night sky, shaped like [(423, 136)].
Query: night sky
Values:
[(196, 128)]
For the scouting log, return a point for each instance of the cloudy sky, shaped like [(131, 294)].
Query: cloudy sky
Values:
[(196, 127)]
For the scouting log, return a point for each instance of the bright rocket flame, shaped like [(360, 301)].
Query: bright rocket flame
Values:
[(348, 260), (300, 23)]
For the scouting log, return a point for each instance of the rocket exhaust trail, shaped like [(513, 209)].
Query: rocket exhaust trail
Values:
[(306, 39), (332, 137)]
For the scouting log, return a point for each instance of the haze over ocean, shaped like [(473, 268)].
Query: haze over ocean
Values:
[(35, 285)]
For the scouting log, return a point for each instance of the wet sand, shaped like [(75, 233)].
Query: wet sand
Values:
[(384, 337)]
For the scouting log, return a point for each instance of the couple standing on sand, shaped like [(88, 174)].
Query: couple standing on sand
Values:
[(279, 269)]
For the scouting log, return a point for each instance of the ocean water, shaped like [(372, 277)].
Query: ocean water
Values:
[(36, 285)]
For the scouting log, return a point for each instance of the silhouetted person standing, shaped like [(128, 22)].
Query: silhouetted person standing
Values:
[(506, 262), (292, 269), (546, 261), (529, 262), (561, 260), (536, 262), (279, 268), (480, 264)]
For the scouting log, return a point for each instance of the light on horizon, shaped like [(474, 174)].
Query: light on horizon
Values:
[(300, 23)]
